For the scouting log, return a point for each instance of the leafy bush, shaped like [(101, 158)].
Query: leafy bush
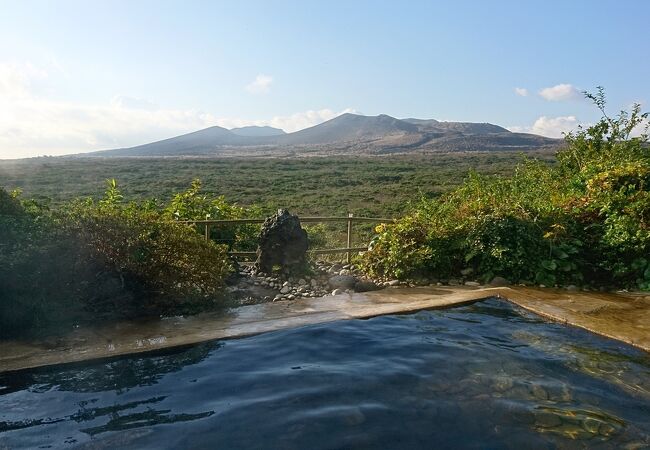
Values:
[(33, 263), (100, 259), (154, 256), (584, 220), (193, 205)]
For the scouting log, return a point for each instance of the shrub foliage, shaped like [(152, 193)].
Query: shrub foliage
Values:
[(106, 258), (585, 220)]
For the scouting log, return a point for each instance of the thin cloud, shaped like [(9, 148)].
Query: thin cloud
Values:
[(33, 125), (522, 92), (17, 79), (553, 127), (123, 101), (260, 85), (560, 92)]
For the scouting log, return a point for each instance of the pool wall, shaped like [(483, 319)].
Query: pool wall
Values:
[(625, 317)]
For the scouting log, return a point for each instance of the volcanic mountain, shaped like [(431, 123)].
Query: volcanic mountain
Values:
[(345, 134)]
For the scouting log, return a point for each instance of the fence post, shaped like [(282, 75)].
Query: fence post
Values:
[(207, 232), (350, 215)]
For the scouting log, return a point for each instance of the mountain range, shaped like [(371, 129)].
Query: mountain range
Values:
[(346, 134)]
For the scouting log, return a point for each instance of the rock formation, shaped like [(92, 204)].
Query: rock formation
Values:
[(283, 243)]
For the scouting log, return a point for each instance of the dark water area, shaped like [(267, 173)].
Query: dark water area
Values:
[(488, 375)]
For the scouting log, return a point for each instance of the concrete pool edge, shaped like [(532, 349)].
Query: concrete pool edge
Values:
[(618, 316)]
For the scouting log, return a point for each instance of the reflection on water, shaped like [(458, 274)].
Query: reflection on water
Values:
[(481, 376), (118, 374)]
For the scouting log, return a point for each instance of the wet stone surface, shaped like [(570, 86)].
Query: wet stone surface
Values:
[(320, 279)]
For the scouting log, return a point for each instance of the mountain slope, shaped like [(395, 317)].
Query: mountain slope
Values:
[(345, 134), (197, 142), (459, 127), (349, 127)]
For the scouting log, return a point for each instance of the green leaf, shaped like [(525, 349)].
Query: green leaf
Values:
[(560, 254), (549, 264)]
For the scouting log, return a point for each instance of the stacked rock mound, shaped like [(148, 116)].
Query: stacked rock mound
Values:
[(321, 279), (283, 243)]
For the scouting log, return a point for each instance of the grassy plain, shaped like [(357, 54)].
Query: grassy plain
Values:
[(366, 186)]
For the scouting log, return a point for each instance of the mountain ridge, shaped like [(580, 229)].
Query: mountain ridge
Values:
[(345, 134)]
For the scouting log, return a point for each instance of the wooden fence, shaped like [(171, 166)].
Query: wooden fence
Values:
[(350, 219)]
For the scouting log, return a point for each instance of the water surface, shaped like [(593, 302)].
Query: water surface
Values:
[(488, 375)]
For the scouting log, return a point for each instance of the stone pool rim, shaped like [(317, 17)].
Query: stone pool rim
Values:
[(620, 316)]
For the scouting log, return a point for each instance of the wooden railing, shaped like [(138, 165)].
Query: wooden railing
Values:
[(350, 219)]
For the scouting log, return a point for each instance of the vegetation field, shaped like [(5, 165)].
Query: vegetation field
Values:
[(86, 249), (101, 249), (369, 186)]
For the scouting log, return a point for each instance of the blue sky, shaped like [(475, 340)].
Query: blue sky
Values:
[(84, 75)]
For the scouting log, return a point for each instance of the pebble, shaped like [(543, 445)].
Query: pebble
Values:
[(499, 282), (539, 392), (547, 420), (344, 278)]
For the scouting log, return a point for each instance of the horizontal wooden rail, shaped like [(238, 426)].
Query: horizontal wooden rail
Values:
[(325, 251), (349, 219), (302, 219)]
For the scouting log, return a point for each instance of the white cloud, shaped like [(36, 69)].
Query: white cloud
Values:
[(260, 85), (560, 92), (126, 102), (522, 92), (642, 128), (33, 125), (549, 126), (17, 79)]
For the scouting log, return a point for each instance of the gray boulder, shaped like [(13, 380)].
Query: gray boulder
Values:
[(282, 242), (342, 281), (499, 282), (365, 286)]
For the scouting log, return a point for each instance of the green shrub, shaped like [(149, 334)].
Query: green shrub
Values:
[(193, 205), (35, 270), (104, 259), (584, 220)]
